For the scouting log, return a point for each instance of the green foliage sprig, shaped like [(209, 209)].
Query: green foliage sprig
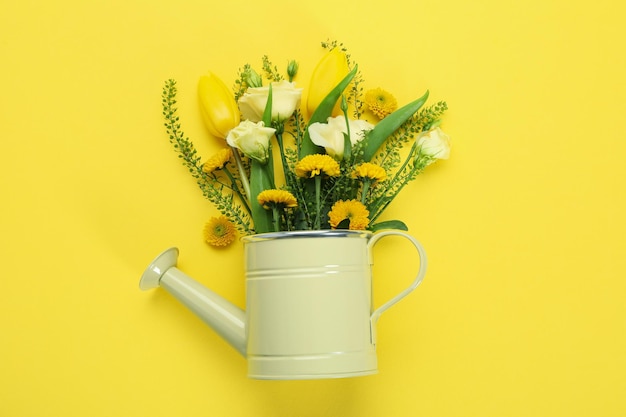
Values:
[(211, 189)]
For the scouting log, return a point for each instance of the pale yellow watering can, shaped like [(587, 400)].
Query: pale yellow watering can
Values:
[(309, 311)]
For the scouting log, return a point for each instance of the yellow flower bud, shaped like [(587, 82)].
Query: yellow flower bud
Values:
[(218, 106), (331, 69)]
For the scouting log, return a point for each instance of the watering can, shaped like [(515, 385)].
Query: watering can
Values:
[(309, 310)]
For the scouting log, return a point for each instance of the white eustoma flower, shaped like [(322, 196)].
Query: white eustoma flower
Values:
[(285, 100), (434, 143), (330, 135), (253, 139)]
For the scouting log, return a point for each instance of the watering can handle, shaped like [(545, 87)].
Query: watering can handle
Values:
[(417, 281)]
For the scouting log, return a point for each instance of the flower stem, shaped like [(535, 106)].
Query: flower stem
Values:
[(242, 173), (279, 139), (276, 218), (397, 183), (236, 189), (366, 187), (318, 191)]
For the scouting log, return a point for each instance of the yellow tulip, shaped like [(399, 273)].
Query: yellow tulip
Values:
[(218, 106), (331, 69)]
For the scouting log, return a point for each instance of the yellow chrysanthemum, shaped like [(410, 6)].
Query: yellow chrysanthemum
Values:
[(380, 102), (219, 231), (353, 210), (277, 198), (367, 170), (217, 161), (312, 165)]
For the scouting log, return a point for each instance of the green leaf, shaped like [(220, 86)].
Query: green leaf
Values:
[(344, 224), (377, 136), (260, 180), (389, 224), (323, 112), (267, 112)]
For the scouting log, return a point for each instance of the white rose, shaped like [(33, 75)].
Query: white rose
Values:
[(330, 135), (285, 100), (434, 143), (253, 139)]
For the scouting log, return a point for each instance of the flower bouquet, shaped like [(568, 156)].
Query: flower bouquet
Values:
[(334, 162)]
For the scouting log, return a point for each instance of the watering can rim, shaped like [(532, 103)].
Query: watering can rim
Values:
[(307, 234)]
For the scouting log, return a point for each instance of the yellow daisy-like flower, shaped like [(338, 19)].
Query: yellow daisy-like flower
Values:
[(380, 102), (367, 170), (276, 198), (217, 161), (353, 210), (219, 231), (312, 165)]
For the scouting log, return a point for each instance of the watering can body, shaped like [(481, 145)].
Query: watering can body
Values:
[(309, 311)]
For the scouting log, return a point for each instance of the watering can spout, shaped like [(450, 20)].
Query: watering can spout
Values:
[(228, 320)]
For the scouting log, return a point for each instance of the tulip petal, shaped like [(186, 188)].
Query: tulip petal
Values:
[(330, 70), (218, 106)]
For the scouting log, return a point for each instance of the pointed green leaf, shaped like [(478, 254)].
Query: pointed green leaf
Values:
[(389, 224), (344, 224), (267, 121), (377, 136), (260, 180), (267, 112)]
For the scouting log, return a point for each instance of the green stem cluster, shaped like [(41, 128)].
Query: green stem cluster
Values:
[(189, 155), (318, 192)]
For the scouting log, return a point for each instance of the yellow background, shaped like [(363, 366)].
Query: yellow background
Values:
[(522, 311)]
